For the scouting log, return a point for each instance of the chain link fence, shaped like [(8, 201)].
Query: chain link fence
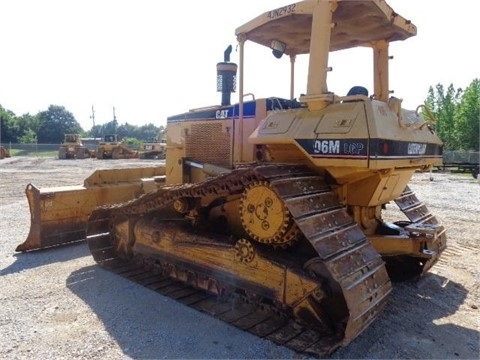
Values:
[(31, 149), (44, 149)]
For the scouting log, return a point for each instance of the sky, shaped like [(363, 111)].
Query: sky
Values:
[(150, 59)]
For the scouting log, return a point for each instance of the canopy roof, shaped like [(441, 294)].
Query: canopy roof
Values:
[(357, 23)]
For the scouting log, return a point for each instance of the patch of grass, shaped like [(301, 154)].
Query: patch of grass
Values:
[(44, 153)]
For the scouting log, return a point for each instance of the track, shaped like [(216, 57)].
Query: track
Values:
[(345, 258), (426, 224), (256, 318)]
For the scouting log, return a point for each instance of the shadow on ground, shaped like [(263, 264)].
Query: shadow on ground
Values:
[(146, 324), (409, 326), (32, 259)]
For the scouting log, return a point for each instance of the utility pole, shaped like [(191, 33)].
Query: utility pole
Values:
[(114, 121), (93, 116), (93, 119)]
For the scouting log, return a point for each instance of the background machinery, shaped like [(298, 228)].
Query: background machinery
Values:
[(113, 148), (153, 150), (4, 152), (270, 210), (72, 148)]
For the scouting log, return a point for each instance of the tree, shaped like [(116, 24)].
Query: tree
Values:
[(149, 132), (126, 130), (28, 137), (458, 115), (108, 128), (27, 126), (7, 126), (467, 118), (444, 105), (55, 123), (95, 131)]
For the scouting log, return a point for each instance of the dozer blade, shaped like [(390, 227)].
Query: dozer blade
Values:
[(59, 214)]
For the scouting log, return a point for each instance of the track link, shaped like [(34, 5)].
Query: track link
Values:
[(345, 257), (425, 223)]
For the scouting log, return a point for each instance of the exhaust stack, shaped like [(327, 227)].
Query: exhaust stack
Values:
[(226, 76)]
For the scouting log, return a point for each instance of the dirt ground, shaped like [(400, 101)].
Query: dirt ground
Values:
[(59, 304)]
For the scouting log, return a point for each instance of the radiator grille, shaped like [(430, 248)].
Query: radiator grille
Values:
[(208, 143)]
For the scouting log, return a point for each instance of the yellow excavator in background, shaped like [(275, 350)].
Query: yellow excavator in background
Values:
[(268, 212)]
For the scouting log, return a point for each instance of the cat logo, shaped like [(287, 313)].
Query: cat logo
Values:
[(221, 114)]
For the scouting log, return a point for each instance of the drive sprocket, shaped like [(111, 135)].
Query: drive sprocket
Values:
[(265, 217)]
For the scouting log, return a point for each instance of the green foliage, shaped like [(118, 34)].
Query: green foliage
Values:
[(28, 126), (142, 133), (40, 153), (133, 143), (150, 132), (443, 104), (28, 137), (467, 118), (458, 115), (55, 123), (108, 128), (51, 125), (95, 131), (7, 125), (126, 130)]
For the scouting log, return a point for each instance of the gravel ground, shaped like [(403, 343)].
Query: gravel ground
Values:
[(58, 304)]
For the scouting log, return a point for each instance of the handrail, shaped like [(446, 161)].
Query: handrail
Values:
[(431, 118)]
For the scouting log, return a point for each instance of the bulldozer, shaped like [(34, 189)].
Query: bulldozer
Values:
[(269, 213), (113, 148), (4, 152), (72, 148), (155, 149)]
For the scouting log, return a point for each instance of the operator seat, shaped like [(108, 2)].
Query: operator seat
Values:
[(357, 90)]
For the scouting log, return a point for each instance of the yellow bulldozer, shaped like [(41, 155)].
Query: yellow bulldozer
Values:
[(73, 148), (156, 149), (111, 147), (269, 212), (4, 152)]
